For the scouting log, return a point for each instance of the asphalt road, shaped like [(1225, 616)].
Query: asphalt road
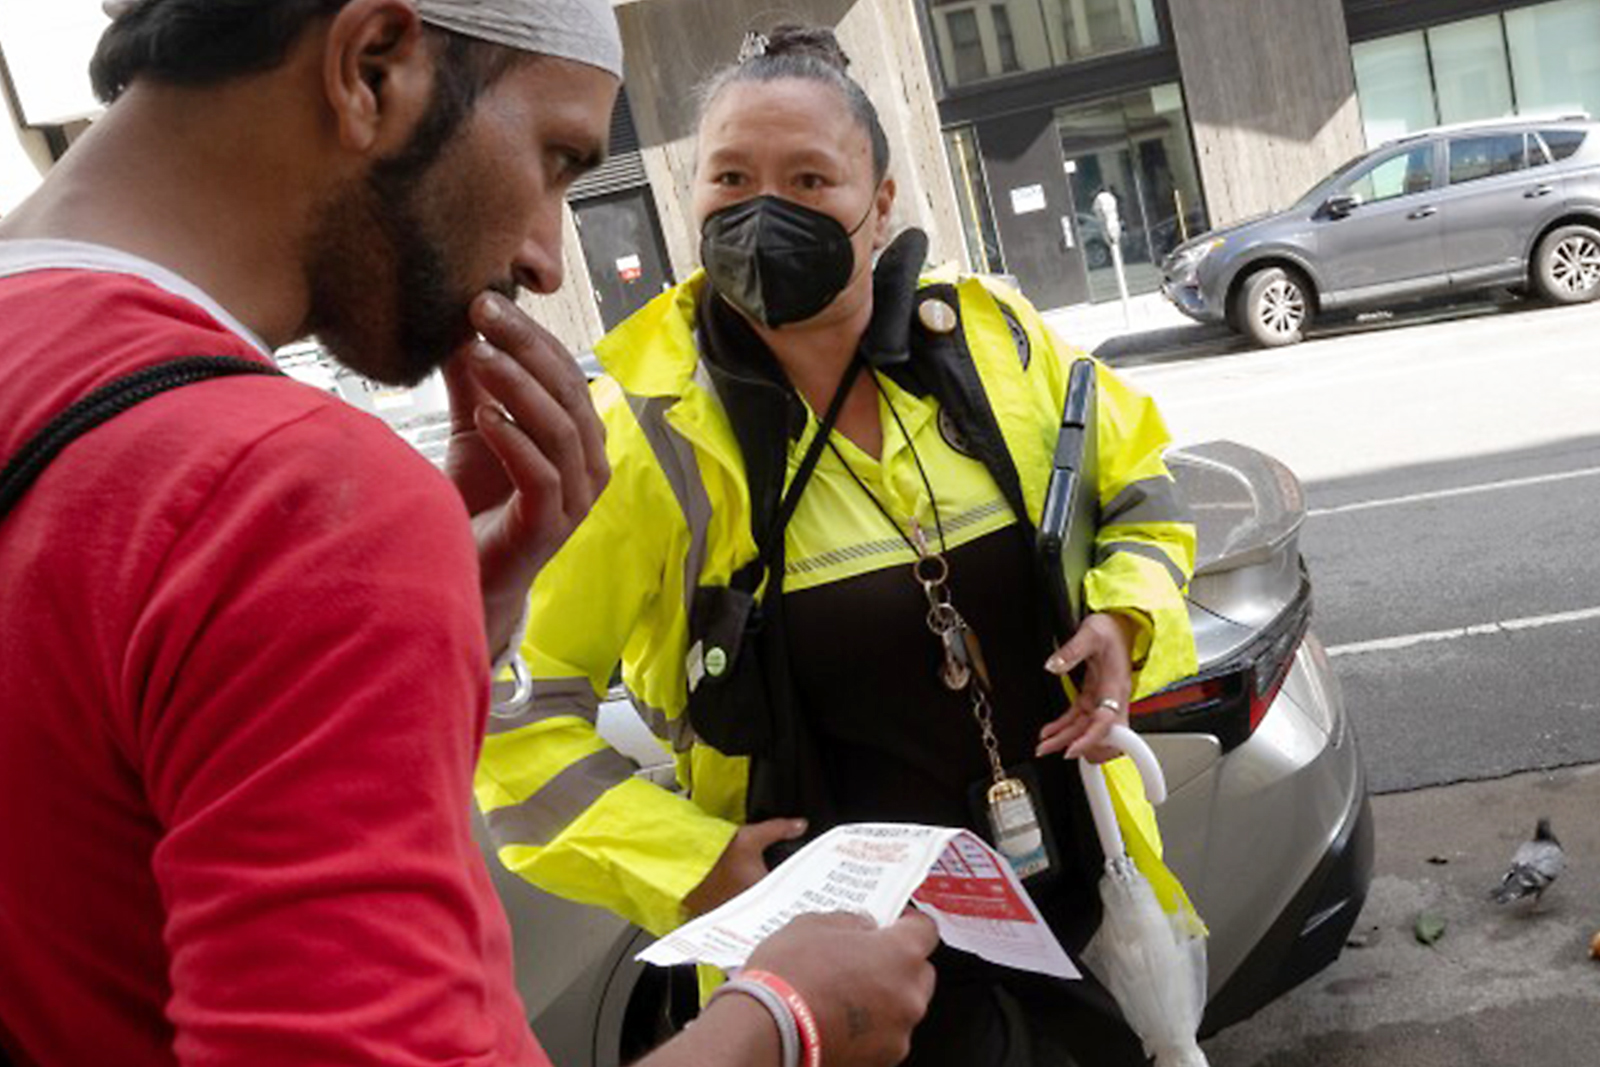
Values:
[(1452, 467), (1469, 624), (1453, 474)]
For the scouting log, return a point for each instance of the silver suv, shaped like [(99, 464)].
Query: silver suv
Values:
[(1512, 203)]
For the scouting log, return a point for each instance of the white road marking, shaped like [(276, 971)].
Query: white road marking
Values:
[(1532, 622), (1465, 490)]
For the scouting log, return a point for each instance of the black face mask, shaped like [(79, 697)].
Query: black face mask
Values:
[(775, 260)]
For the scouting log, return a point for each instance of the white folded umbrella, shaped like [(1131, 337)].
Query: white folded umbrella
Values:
[(1152, 962)]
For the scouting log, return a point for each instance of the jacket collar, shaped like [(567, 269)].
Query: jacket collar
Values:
[(654, 353)]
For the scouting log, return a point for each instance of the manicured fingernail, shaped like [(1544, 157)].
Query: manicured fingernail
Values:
[(1055, 664)]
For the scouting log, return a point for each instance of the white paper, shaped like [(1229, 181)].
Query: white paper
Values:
[(876, 869), (1027, 199)]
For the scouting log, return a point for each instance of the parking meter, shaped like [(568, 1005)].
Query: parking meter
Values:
[(1105, 209)]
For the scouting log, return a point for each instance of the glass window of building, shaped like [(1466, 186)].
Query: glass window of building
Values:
[(966, 45), (972, 200), (1090, 28), (1393, 83), (1474, 158), (1470, 72), (981, 39), (1555, 57), (1136, 145), (1543, 59), (1005, 41)]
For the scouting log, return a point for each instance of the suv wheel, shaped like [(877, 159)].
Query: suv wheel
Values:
[(1566, 268), (1273, 307)]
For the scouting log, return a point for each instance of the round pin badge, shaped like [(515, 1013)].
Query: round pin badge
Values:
[(952, 433), (937, 316)]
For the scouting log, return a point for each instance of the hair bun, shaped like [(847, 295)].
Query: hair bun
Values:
[(818, 42)]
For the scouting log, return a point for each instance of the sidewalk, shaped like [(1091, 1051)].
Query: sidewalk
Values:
[(1502, 986), (1152, 330)]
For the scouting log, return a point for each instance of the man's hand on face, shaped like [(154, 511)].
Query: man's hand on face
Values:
[(527, 452)]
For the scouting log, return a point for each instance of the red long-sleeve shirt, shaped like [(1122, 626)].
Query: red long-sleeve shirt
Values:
[(243, 677)]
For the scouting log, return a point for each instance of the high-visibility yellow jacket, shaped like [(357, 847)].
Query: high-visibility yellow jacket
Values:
[(565, 810)]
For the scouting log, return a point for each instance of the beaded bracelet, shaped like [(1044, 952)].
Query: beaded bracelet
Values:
[(777, 1007), (810, 1034)]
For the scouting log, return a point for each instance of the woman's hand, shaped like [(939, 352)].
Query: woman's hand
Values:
[(742, 864), (1103, 646)]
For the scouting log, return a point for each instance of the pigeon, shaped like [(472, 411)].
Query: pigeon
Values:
[(1535, 865)]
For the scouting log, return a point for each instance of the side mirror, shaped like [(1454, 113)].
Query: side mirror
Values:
[(1340, 205)]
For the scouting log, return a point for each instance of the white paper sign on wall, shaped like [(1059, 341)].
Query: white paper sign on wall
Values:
[(1027, 199)]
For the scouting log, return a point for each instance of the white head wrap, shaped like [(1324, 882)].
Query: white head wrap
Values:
[(580, 30)]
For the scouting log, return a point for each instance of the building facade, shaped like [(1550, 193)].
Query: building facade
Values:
[(1007, 118)]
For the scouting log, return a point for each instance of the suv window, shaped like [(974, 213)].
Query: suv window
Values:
[(1473, 158), (1538, 154), (1562, 143), (1401, 175)]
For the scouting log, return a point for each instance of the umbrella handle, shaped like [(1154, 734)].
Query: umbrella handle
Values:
[(1094, 787)]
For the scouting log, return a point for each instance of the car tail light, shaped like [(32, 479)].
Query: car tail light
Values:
[(1229, 700)]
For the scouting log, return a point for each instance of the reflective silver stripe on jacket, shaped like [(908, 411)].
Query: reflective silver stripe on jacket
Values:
[(538, 820), (552, 698), (890, 545), (676, 732), (678, 463), (1147, 500), (1105, 551)]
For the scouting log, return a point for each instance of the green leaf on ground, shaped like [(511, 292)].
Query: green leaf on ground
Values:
[(1429, 928)]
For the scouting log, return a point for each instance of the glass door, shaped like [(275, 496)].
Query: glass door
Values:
[(1136, 147)]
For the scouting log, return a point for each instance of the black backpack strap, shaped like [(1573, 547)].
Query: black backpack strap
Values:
[(105, 403)]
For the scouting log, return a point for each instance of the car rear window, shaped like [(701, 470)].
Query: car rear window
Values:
[(1472, 158), (1563, 143)]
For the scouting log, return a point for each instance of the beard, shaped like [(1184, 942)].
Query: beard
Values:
[(384, 300), (389, 298)]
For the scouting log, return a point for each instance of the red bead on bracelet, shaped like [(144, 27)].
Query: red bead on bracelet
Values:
[(810, 1035)]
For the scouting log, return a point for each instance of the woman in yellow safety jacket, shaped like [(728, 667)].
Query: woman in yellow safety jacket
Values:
[(815, 565)]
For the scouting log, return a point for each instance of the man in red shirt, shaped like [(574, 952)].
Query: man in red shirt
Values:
[(246, 633)]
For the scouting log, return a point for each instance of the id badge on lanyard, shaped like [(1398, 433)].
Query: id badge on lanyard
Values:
[(1013, 816)]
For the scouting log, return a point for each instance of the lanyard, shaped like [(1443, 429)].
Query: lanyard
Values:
[(963, 667), (769, 544), (1013, 818)]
